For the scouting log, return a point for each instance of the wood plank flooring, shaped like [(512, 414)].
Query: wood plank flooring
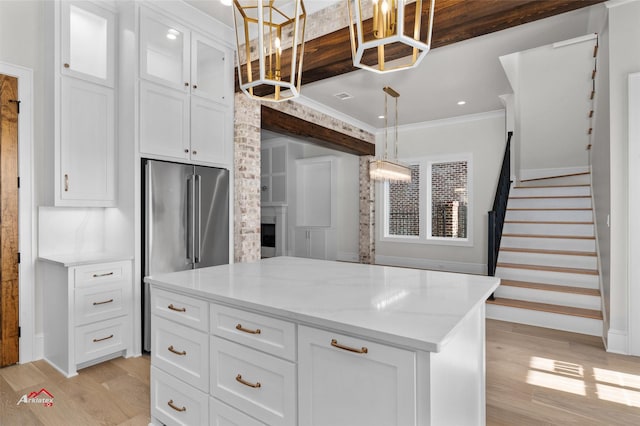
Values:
[(535, 376)]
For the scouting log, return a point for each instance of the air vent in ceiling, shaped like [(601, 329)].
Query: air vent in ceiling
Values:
[(343, 96)]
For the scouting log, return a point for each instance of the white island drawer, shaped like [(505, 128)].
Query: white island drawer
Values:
[(101, 338), (267, 334), (258, 384), (220, 414), (182, 309), (181, 351), (99, 302), (175, 403), (102, 273)]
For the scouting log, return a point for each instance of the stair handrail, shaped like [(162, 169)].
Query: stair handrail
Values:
[(497, 214)]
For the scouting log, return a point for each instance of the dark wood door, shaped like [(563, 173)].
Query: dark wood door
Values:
[(9, 313)]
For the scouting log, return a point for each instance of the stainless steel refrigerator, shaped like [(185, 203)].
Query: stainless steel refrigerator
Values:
[(186, 214)]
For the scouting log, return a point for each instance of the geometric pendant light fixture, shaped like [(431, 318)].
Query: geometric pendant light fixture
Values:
[(270, 47), (390, 35), (382, 168)]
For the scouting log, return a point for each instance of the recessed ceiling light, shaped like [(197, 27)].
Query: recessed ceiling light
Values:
[(462, 102), (172, 34), (381, 116)]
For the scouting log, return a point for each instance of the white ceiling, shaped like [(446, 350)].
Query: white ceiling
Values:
[(468, 70)]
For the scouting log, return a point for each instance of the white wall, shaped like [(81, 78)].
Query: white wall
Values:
[(484, 137), (624, 58), (552, 100)]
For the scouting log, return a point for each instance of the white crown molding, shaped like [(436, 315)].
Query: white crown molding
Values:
[(500, 113), (615, 3), (310, 103)]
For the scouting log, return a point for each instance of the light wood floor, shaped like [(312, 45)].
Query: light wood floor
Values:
[(535, 376)]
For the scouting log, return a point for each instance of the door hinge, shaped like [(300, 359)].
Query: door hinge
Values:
[(19, 331), (18, 257), (18, 181), (17, 102)]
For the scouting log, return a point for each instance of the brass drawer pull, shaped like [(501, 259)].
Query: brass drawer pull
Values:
[(246, 330), (104, 338), (102, 303), (173, 308), (244, 382), (172, 405), (183, 353), (102, 275), (362, 350)]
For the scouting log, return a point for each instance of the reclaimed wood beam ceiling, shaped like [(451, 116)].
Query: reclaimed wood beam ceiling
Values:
[(454, 21)]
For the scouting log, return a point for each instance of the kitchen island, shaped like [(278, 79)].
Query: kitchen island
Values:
[(287, 341)]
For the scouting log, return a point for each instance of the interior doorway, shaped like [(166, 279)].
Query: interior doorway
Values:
[(9, 212)]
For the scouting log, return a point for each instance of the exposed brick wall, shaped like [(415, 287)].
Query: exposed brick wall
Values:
[(367, 214), (404, 205), (449, 199)]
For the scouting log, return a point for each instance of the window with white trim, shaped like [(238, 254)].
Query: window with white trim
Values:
[(434, 207)]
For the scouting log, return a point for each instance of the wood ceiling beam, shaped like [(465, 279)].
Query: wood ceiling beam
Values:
[(280, 122), (454, 21)]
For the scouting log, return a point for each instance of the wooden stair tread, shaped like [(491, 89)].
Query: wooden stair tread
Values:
[(550, 222), (546, 251), (550, 208), (548, 268), (568, 237), (553, 186), (539, 197), (547, 307), (552, 287), (555, 177)]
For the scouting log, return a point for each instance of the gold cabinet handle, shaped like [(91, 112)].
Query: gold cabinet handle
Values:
[(182, 353), (104, 338), (66, 183), (66, 65), (246, 330), (102, 303), (244, 382), (173, 308), (186, 84), (102, 275), (172, 405), (362, 350)]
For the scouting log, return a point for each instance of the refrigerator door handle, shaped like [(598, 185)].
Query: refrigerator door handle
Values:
[(197, 208), (190, 218), (149, 213)]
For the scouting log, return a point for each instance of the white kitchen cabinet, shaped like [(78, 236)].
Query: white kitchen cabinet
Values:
[(88, 42), (379, 381), (88, 313), (316, 191), (273, 175), (87, 144), (186, 93), (82, 104), (315, 243)]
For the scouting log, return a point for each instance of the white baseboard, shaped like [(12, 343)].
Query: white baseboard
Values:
[(543, 173), (345, 256), (432, 264), (618, 342)]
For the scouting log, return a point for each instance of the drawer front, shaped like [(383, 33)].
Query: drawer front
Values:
[(255, 383), (175, 403), (180, 351), (181, 309), (102, 273), (267, 334), (96, 303), (220, 414), (101, 338)]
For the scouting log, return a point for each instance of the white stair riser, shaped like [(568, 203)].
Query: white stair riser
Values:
[(550, 215), (548, 203), (549, 243), (566, 261), (569, 180), (551, 297), (546, 191), (548, 277), (573, 324), (549, 229)]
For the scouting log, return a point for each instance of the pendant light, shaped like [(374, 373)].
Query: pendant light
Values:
[(382, 168), (390, 35), (270, 47)]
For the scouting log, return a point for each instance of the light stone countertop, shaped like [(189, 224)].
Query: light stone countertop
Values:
[(412, 308), (80, 259)]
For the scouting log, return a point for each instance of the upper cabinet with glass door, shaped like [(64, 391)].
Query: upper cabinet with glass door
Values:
[(173, 56), (88, 42)]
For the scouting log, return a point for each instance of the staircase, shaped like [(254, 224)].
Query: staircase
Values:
[(547, 260)]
